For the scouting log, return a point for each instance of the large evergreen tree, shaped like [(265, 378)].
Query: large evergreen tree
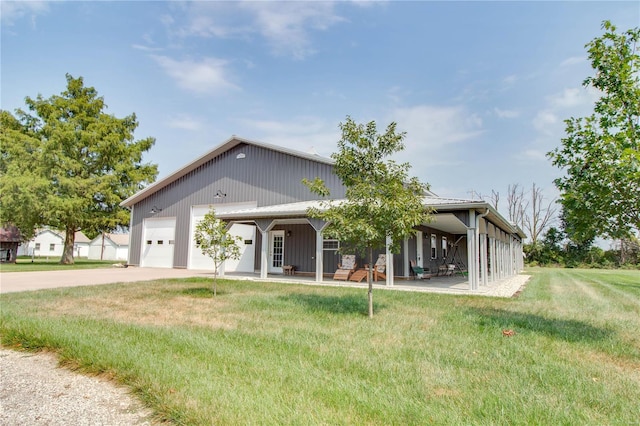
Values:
[(67, 164), (600, 154)]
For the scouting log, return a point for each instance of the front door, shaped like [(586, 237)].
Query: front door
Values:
[(276, 251)]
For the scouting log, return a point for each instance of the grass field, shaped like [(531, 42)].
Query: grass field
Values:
[(24, 264), (265, 353)]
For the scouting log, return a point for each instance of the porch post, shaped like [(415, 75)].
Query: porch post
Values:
[(472, 251), (264, 258), (483, 258), (389, 269), (319, 256), (419, 249), (492, 257), (405, 246), (512, 266)]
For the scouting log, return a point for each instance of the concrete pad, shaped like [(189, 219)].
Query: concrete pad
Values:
[(27, 281)]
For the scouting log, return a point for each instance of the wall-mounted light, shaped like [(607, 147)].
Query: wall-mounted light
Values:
[(155, 210), (219, 194), (288, 233), (240, 156)]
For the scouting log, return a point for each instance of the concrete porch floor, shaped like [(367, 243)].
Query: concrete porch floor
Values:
[(456, 284)]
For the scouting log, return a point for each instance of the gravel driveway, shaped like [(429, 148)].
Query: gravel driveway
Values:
[(34, 391)]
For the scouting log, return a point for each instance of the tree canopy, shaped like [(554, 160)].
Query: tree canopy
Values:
[(67, 164), (382, 202), (600, 154)]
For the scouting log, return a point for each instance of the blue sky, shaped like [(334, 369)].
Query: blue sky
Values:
[(481, 88)]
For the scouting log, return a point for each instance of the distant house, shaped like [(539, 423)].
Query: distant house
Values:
[(10, 240), (109, 247), (50, 243), (81, 245), (257, 188)]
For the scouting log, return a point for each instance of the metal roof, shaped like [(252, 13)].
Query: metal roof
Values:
[(439, 204)]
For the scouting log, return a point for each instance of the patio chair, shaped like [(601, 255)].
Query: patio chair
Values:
[(451, 268), (380, 267), (346, 267), (419, 272), (359, 275)]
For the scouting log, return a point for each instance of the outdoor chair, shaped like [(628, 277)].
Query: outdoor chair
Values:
[(451, 268), (346, 267), (380, 268), (419, 272)]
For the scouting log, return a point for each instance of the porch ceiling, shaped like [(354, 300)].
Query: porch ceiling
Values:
[(447, 222)]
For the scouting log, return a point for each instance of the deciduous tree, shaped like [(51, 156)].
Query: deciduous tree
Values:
[(215, 241), (600, 154), (382, 202), (67, 164)]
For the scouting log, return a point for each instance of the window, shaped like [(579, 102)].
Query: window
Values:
[(329, 244), (160, 242), (52, 247), (434, 253), (248, 242), (171, 242), (37, 246), (444, 247), (149, 242)]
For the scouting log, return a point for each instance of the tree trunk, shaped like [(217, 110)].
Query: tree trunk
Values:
[(370, 279), (69, 241)]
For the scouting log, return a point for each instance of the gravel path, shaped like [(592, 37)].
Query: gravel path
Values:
[(35, 391)]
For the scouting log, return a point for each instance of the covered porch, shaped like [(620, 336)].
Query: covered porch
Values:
[(491, 248)]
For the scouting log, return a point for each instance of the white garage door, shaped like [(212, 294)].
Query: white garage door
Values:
[(247, 233), (158, 243)]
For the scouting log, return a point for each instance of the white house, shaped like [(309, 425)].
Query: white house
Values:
[(81, 245), (109, 247), (50, 243)]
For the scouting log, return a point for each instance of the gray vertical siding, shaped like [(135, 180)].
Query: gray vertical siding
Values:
[(265, 176)]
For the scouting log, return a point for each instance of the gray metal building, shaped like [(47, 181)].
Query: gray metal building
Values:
[(258, 187)]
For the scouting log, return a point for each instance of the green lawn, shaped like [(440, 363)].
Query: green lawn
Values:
[(266, 353), (24, 264)]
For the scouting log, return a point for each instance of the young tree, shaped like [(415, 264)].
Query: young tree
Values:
[(213, 238), (381, 201), (600, 154), (67, 164)]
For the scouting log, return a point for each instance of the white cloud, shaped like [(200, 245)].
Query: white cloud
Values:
[(146, 48), (506, 113), (545, 121), (571, 98), (208, 76), (535, 154), (303, 133), (286, 26), (11, 11), (510, 79), (185, 122), (573, 60), (435, 126)]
